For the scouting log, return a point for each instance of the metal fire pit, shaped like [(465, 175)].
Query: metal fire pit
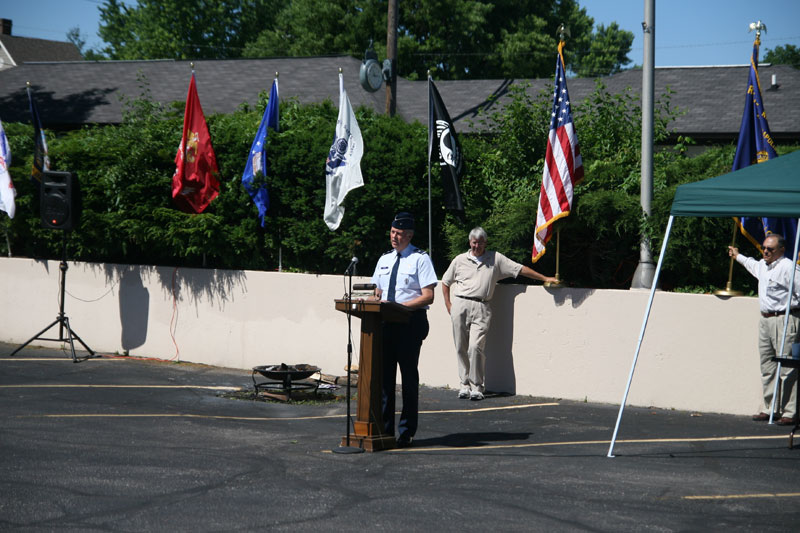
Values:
[(283, 378)]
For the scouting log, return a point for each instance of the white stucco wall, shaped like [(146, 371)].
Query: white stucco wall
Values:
[(699, 351)]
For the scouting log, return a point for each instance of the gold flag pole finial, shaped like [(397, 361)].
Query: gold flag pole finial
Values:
[(728, 290), (340, 70), (276, 74)]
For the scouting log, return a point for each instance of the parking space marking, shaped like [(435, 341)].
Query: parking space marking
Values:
[(589, 442), (220, 417), (183, 415), (484, 409), (77, 386), (67, 359), (744, 496)]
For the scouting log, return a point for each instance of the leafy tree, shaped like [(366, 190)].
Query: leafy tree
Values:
[(74, 36), (459, 39), (183, 29), (608, 51), (315, 27), (783, 55)]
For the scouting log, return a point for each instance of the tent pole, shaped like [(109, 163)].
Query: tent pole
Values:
[(785, 327), (641, 334)]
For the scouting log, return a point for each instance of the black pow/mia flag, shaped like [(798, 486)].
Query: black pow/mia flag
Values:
[(444, 148)]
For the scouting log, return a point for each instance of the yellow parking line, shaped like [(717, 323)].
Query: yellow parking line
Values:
[(588, 442), (184, 415), (484, 409), (744, 496), (75, 386), (179, 415), (57, 359)]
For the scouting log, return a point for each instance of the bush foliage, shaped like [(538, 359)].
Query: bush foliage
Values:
[(125, 173)]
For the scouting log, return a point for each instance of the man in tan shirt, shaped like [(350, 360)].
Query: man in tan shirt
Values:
[(472, 277)]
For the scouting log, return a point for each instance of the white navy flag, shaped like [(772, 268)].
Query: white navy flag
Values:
[(343, 166)]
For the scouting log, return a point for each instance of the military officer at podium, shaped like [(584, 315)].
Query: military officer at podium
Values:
[(403, 275)]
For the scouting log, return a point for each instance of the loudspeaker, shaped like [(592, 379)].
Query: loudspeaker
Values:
[(59, 200)]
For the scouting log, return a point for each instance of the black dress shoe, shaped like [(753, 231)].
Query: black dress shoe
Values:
[(404, 442)]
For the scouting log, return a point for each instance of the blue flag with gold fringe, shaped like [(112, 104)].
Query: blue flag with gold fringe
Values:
[(755, 145)]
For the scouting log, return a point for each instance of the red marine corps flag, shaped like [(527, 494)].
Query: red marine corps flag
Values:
[(563, 167), (194, 183)]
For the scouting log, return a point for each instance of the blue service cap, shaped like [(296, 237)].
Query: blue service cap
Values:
[(403, 220)]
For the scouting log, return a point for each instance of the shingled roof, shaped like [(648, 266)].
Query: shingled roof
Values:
[(15, 50), (69, 94)]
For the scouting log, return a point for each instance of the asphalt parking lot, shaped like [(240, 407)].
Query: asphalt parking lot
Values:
[(131, 444)]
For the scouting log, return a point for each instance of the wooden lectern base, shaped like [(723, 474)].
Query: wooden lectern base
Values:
[(373, 443)]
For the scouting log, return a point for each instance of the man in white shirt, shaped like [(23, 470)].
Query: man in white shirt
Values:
[(774, 274), (472, 277)]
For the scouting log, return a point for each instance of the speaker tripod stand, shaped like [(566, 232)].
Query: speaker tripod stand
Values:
[(62, 320)]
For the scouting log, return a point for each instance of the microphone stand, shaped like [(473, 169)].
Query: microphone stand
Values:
[(347, 448)]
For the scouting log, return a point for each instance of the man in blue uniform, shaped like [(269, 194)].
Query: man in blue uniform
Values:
[(403, 275)]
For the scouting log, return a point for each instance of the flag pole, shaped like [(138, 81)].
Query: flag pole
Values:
[(728, 290), (562, 33), (430, 147), (785, 327), (280, 241), (559, 283)]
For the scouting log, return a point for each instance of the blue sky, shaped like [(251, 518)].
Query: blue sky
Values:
[(688, 32)]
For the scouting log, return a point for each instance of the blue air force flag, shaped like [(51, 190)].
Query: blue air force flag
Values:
[(7, 190), (755, 145), (257, 158), (343, 166)]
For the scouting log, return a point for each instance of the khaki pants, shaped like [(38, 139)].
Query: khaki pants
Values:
[(770, 331), (470, 325)]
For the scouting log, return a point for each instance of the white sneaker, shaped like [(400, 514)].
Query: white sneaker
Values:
[(463, 394), (476, 395)]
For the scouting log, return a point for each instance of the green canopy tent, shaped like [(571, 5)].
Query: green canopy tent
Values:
[(769, 189)]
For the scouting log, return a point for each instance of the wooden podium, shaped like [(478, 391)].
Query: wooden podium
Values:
[(368, 426)]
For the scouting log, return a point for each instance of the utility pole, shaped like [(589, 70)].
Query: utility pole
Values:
[(391, 54), (645, 271)]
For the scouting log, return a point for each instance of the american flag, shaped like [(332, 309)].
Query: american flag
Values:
[(563, 168)]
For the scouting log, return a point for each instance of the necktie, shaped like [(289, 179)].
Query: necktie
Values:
[(393, 279)]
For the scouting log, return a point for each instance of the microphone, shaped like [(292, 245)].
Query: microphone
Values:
[(364, 287), (352, 266)]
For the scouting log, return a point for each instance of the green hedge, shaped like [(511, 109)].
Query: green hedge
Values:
[(125, 174)]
